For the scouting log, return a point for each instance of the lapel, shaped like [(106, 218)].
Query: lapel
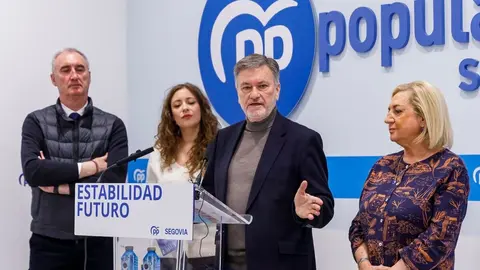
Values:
[(231, 140), (273, 146)]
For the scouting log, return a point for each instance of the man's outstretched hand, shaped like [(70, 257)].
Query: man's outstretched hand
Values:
[(306, 205)]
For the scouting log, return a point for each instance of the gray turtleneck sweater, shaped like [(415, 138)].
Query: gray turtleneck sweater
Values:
[(240, 177)]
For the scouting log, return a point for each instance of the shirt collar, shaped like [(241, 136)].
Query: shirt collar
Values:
[(69, 111)]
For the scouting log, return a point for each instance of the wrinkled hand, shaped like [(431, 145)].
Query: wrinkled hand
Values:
[(63, 189), (306, 205), (367, 266), (380, 267), (101, 162), (94, 166)]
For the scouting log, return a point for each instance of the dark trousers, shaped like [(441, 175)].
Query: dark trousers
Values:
[(93, 253)]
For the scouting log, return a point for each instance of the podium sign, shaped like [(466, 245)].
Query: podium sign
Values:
[(152, 211)]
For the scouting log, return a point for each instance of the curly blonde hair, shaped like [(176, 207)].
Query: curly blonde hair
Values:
[(169, 133)]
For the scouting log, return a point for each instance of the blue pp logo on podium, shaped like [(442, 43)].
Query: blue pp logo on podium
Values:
[(152, 211), (137, 171), (154, 230), (230, 30)]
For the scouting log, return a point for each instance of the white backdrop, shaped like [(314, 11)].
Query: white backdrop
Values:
[(138, 49), (163, 51), (32, 31)]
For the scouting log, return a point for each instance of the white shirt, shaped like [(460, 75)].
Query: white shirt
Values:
[(69, 111), (177, 172)]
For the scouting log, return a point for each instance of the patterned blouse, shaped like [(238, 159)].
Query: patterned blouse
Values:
[(412, 212)]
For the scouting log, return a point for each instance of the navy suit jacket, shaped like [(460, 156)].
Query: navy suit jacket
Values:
[(277, 238)]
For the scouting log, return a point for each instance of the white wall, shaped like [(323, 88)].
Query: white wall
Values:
[(161, 52), (32, 31), (148, 46)]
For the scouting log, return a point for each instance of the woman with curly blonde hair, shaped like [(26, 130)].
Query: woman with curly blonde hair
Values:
[(186, 127)]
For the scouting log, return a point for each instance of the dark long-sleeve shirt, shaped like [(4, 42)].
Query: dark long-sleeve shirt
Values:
[(412, 212)]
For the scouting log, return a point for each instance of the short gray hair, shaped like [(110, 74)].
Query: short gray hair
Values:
[(71, 50), (255, 61)]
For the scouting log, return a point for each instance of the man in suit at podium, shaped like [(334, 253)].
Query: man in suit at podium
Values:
[(68, 142), (271, 168)]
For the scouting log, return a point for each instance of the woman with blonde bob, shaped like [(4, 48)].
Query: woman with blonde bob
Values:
[(414, 201)]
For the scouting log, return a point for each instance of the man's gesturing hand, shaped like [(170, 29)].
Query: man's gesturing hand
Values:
[(306, 205)]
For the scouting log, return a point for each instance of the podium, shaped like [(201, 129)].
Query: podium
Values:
[(207, 206), (166, 219)]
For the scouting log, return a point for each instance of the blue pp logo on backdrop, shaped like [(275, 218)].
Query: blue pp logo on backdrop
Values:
[(231, 30)]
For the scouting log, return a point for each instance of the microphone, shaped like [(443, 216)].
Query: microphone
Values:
[(125, 160), (133, 156)]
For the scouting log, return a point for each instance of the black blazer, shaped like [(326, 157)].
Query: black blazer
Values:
[(277, 238)]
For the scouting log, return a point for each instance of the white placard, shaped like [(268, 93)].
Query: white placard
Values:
[(162, 211)]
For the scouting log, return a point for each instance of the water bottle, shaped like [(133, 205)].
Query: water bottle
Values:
[(151, 261), (129, 259)]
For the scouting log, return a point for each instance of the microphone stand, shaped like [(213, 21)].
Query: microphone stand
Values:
[(132, 157), (108, 168), (199, 179)]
